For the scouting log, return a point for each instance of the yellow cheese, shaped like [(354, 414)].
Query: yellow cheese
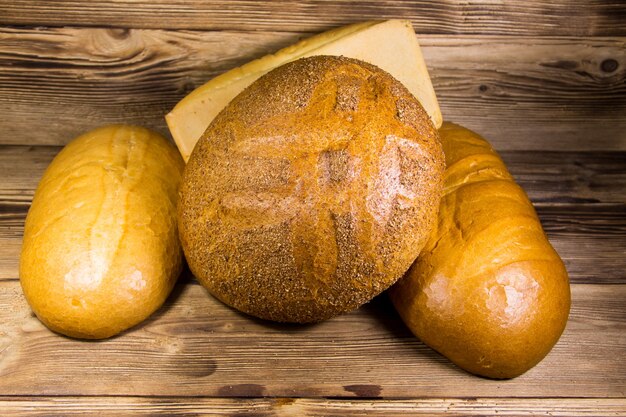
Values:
[(390, 45)]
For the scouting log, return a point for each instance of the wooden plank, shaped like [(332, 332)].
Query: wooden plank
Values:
[(591, 239), (579, 197), (538, 17), (548, 177), (522, 93), (57, 83), (289, 407), (540, 94), (568, 177), (21, 168), (195, 346)]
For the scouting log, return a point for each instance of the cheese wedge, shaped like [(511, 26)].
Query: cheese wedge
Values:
[(390, 45)]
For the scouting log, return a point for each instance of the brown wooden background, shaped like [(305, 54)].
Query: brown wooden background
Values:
[(543, 80)]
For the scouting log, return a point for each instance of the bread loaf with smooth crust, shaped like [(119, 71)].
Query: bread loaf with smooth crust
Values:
[(101, 250), (488, 290), (312, 191)]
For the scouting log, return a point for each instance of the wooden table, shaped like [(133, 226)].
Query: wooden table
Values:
[(544, 81)]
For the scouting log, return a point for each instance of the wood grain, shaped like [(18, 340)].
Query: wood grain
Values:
[(539, 94), (266, 407), (544, 81), (549, 177), (522, 93), (537, 17), (567, 177), (196, 346), (591, 239), (580, 198)]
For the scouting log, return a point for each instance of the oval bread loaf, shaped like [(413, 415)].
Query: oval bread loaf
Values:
[(101, 250), (312, 191), (488, 291)]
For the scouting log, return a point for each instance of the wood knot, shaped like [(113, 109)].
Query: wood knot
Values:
[(609, 65), (187, 87), (119, 44), (121, 33)]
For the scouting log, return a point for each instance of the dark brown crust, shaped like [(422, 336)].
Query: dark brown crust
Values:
[(312, 191)]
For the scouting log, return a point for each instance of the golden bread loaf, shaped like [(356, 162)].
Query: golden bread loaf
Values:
[(312, 191), (488, 291), (101, 250)]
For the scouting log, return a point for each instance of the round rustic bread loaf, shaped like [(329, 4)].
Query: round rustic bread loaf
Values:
[(312, 191)]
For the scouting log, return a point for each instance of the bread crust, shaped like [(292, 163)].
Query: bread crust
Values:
[(312, 191), (488, 291), (100, 250)]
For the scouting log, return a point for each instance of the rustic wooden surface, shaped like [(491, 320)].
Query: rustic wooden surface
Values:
[(580, 197), (520, 92), (544, 81), (536, 17), (195, 346), (305, 407)]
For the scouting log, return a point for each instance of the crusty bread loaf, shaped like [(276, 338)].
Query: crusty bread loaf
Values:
[(312, 191), (101, 249), (488, 291)]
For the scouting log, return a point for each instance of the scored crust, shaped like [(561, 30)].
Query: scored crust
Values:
[(312, 191)]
